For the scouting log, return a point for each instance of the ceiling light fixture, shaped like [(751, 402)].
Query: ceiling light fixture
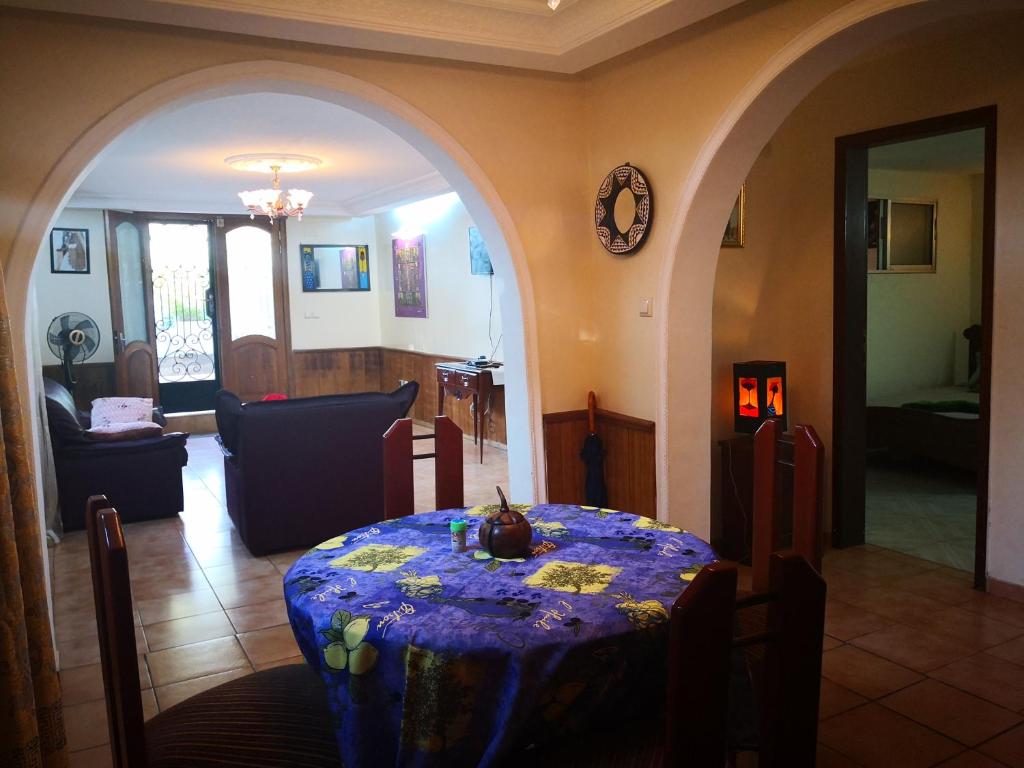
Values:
[(553, 4), (269, 202)]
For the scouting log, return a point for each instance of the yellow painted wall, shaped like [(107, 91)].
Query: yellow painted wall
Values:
[(774, 298)]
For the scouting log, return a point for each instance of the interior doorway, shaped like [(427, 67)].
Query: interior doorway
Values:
[(926, 443)]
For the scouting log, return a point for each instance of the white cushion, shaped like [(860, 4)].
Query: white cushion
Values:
[(120, 410), (128, 430)]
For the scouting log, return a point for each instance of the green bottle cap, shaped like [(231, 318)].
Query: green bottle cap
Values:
[(458, 526)]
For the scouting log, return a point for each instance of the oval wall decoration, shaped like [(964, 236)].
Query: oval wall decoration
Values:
[(621, 180)]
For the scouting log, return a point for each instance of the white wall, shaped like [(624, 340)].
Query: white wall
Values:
[(457, 301), (333, 319), (56, 294), (916, 320)]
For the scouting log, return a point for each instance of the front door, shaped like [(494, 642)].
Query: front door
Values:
[(184, 312), (131, 305), (252, 297)]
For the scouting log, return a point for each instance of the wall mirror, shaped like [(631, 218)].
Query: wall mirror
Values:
[(335, 267), (901, 235)]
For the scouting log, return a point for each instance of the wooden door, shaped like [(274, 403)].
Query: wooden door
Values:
[(131, 305), (252, 306)]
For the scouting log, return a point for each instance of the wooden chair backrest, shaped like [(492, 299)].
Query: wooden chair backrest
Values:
[(700, 657), (399, 498), (788, 696), (808, 471), (116, 624), (700, 647)]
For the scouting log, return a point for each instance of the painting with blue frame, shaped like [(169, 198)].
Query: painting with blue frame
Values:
[(479, 258)]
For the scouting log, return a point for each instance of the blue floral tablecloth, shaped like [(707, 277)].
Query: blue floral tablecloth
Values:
[(436, 658)]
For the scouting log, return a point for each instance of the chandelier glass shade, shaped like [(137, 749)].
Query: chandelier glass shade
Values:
[(273, 203)]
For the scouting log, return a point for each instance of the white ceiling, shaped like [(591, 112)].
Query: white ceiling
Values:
[(961, 152), (176, 161), (518, 33)]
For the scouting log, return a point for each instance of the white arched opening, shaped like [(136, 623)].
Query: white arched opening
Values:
[(688, 273), (512, 280)]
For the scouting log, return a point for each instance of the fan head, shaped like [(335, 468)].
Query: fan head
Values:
[(73, 337)]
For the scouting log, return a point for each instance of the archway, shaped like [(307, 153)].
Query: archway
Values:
[(463, 174), (688, 272)]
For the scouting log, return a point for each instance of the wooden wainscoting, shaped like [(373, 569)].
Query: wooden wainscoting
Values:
[(381, 369), (94, 380), (628, 462), (335, 371)]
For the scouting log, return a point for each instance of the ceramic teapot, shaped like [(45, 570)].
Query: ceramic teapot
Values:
[(506, 533)]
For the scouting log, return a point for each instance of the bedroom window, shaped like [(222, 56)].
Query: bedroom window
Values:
[(901, 235)]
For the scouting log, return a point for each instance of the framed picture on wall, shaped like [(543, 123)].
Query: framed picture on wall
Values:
[(335, 267), (69, 251), (410, 275), (479, 258), (736, 230)]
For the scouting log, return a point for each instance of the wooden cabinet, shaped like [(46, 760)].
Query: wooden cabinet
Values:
[(736, 507), (467, 381)]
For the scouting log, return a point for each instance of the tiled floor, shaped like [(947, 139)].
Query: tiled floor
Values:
[(206, 611), (924, 510), (918, 669)]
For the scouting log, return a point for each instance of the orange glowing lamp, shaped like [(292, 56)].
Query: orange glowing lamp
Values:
[(759, 394)]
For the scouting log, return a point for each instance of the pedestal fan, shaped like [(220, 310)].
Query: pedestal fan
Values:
[(73, 338)]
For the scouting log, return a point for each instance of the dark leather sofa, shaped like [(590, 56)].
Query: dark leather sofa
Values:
[(142, 478), (298, 472)]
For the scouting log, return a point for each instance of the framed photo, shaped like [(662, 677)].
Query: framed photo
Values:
[(409, 269), (479, 258), (335, 267), (736, 230), (69, 251)]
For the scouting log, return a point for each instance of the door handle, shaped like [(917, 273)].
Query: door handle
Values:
[(119, 344), (211, 303)]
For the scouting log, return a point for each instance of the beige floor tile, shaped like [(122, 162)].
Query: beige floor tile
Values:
[(271, 644), (160, 609), (212, 556), (258, 616), (1007, 748), (830, 642), (952, 712), (1011, 651), (151, 587), (280, 663), (284, 560), (192, 629), (977, 630), (86, 724), (865, 673), (829, 758), (989, 677), (835, 699), (875, 736), (844, 621), (187, 661), (1007, 611), (149, 705), (971, 759), (952, 588), (169, 695), (241, 570), (912, 647), (79, 652), (96, 757), (250, 592), (81, 684)]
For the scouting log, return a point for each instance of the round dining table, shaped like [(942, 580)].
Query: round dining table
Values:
[(434, 657)]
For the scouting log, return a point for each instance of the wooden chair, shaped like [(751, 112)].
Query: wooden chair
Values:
[(695, 732), (278, 718), (808, 456), (398, 466)]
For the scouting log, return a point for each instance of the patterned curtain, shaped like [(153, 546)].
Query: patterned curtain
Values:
[(31, 720)]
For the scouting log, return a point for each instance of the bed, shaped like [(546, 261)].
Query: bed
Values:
[(940, 424)]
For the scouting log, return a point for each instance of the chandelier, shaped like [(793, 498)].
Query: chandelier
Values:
[(271, 202)]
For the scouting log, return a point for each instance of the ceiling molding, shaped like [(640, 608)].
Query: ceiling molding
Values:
[(386, 198), (516, 33)]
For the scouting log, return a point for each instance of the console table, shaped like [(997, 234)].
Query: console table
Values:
[(467, 381)]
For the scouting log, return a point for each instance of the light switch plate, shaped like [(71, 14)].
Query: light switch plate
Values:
[(646, 307)]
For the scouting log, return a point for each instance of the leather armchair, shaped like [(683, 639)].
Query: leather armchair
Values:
[(141, 478), (298, 472)]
